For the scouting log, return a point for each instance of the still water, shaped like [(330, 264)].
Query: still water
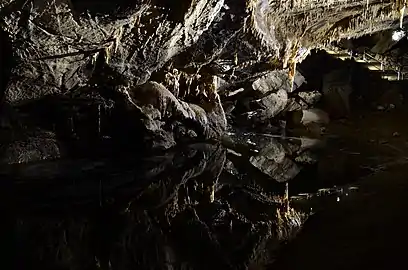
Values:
[(223, 206)]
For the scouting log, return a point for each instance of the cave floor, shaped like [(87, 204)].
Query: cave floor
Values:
[(366, 230)]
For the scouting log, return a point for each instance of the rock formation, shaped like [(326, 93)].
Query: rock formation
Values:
[(88, 87), (88, 48)]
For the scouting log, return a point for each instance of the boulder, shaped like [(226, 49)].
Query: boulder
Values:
[(37, 147), (270, 106), (162, 114), (303, 100), (336, 92), (277, 80), (315, 115)]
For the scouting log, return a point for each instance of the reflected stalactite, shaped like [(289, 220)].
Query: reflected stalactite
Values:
[(159, 212)]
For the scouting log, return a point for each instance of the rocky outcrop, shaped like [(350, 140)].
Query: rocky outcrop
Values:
[(169, 119), (58, 47)]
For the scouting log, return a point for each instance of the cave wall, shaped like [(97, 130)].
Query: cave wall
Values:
[(57, 44), (196, 52)]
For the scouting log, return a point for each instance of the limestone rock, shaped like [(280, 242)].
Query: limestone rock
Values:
[(272, 161), (336, 92), (58, 51), (274, 103), (34, 148), (303, 100), (384, 42), (277, 80), (315, 115), (160, 108), (270, 106)]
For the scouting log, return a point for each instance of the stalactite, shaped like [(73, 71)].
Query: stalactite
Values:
[(402, 13)]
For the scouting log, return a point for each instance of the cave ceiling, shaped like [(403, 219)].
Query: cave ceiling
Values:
[(57, 45)]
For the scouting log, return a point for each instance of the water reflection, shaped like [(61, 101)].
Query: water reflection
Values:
[(313, 202), (184, 209), (201, 206)]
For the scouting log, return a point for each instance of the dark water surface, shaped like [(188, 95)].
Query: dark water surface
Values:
[(223, 206), (197, 207), (367, 229)]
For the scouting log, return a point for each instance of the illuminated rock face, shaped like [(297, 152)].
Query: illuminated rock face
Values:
[(58, 44), (199, 51)]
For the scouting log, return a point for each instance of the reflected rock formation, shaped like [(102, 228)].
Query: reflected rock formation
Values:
[(173, 211)]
